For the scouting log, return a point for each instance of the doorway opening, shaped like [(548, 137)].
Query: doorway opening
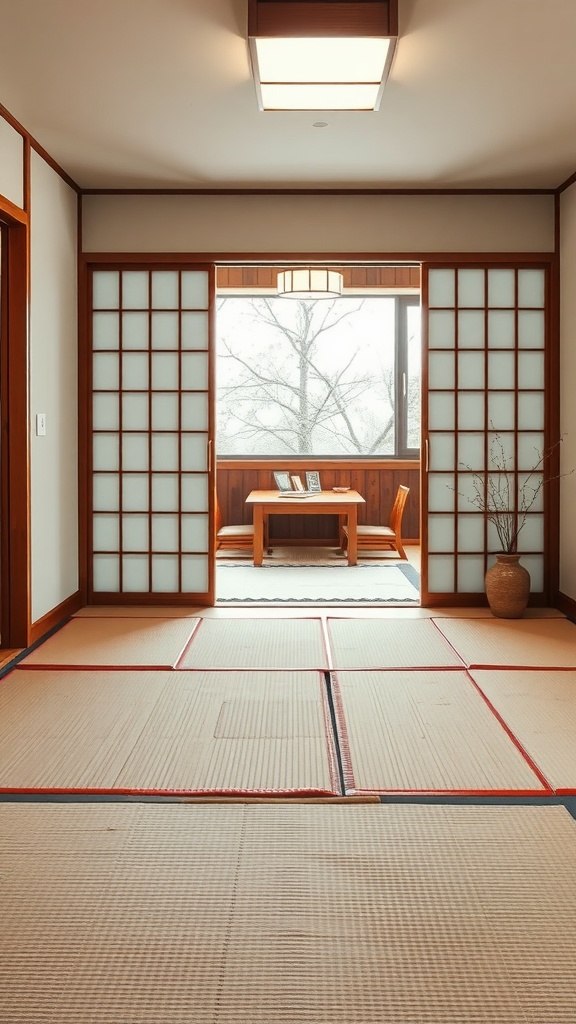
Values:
[(324, 394)]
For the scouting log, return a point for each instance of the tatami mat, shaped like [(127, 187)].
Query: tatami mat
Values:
[(389, 643), (256, 643), (540, 709), (120, 611), (192, 732), (424, 731), (150, 643), (520, 643), (301, 914)]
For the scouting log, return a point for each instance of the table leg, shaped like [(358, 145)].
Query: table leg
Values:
[(258, 534), (352, 535)]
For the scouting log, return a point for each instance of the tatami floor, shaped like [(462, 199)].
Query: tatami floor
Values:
[(288, 814)]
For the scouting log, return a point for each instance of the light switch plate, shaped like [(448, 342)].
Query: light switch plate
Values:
[(40, 424)]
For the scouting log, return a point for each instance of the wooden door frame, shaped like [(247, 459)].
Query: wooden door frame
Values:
[(14, 434)]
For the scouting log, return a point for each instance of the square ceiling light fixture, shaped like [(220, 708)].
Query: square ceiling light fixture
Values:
[(314, 55)]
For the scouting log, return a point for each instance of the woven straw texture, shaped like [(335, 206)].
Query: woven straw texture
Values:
[(424, 731), (189, 732), (540, 709), (124, 914), (257, 643), (152, 643), (389, 643), (119, 611), (537, 643)]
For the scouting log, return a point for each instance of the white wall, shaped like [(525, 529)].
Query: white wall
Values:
[(11, 164), (567, 379), (309, 224), (53, 388)]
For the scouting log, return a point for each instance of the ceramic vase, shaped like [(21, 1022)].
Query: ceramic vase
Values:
[(507, 587)]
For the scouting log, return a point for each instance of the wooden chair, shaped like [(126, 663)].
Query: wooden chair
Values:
[(232, 537), (388, 537)]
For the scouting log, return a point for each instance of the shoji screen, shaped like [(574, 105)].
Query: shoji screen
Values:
[(486, 333), (150, 515)]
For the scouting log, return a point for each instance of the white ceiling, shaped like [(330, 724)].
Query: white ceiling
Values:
[(158, 94)]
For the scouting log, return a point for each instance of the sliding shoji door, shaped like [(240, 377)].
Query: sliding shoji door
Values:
[(486, 374), (149, 522)]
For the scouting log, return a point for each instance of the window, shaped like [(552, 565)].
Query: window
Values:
[(327, 378)]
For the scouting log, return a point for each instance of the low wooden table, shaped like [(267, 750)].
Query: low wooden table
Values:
[(344, 504)]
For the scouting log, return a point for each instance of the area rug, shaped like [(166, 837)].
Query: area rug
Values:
[(248, 914), (425, 732), (311, 583)]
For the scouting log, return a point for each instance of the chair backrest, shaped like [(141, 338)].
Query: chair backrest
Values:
[(398, 509)]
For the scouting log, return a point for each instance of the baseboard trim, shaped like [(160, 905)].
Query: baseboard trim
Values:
[(55, 617), (567, 605)]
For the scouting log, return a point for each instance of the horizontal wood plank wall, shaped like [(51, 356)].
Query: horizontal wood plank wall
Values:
[(354, 277), (376, 481)]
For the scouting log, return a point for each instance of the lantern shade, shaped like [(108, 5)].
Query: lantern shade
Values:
[(309, 283)]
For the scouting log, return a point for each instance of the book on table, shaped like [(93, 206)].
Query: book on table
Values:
[(296, 494)]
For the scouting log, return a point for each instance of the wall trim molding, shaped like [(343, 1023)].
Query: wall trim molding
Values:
[(567, 605)]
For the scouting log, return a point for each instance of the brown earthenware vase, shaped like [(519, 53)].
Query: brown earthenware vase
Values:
[(507, 587)]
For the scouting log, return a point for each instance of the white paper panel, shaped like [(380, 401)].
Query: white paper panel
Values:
[(194, 330), (441, 410), (467, 485), (501, 287), (195, 412), (135, 452), (530, 448), (501, 370), (195, 533), (194, 492), (135, 574), (165, 412), (530, 370), (531, 328), (531, 536), (470, 370), (105, 330), (194, 574), (165, 452), (471, 290), (501, 411), (471, 410), (471, 533), (105, 532), (165, 533), (441, 288), (165, 492), (531, 410), (105, 413), (135, 533), (531, 288), (105, 372), (194, 371), (165, 574), (529, 483), (135, 492), (135, 331), (471, 450), (165, 371), (195, 452), (135, 412), (105, 289), (471, 574), (501, 449), (165, 330), (441, 370), (440, 574), (441, 448), (165, 289), (441, 533), (106, 492), (441, 497), (106, 574), (535, 566), (441, 329), (135, 289), (105, 452), (501, 329), (471, 329), (194, 289), (135, 371)]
